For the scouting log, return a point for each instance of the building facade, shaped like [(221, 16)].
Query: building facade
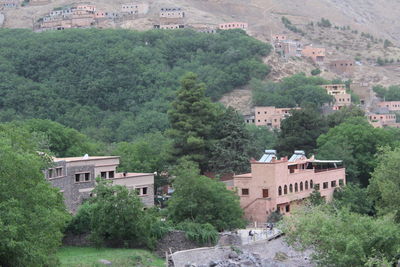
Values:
[(382, 117), (390, 105), (233, 25), (317, 54), (277, 185), (270, 116), (338, 91), (9, 3), (76, 178), (342, 67), (135, 8), (173, 13)]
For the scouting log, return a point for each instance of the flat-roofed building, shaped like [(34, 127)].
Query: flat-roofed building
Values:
[(135, 8), (338, 91), (390, 105), (233, 25), (271, 116), (382, 117), (277, 185), (342, 67), (76, 178), (172, 12), (317, 54)]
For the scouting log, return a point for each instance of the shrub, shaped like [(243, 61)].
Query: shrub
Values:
[(315, 72), (200, 233)]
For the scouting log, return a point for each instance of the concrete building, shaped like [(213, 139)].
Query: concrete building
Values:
[(135, 8), (342, 67), (233, 25), (390, 105), (76, 178), (338, 91), (174, 13), (277, 185), (382, 117), (9, 3), (317, 54), (270, 116), (278, 38)]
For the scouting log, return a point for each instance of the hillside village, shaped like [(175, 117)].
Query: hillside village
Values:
[(113, 110)]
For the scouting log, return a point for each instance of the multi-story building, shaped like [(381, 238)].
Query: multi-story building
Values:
[(342, 67), (9, 3), (135, 8), (233, 25), (276, 185), (278, 38), (382, 117), (173, 13), (317, 54), (390, 105), (76, 178), (338, 91), (270, 116)]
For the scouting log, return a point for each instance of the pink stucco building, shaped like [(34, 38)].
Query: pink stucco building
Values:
[(276, 185), (390, 105), (338, 91), (382, 118), (317, 54), (233, 25), (271, 116)]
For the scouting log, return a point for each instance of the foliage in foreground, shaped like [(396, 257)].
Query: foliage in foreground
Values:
[(203, 200), (32, 213), (341, 238)]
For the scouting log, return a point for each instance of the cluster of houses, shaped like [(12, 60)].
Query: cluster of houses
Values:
[(86, 16), (274, 185), (294, 48)]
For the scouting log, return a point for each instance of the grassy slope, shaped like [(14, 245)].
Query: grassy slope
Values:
[(85, 257)]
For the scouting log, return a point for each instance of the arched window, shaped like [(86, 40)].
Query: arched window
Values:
[(301, 186), (280, 190), (285, 189), (306, 185), (311, 184), (296, 188), (291, 188)]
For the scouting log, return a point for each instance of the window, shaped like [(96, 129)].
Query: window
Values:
[(103, 175), (291, 188), (325, 185), (296, 187), (87, 176), (50, 173), (306, 185), (311, 184), (301, 186), (77, 177), (58, 171), (265, 193), (245, 191), (280, 190), (341, 182), (287, 208), (144, 191), (111, 174), (333, 183), (316, 186), (285, 189)]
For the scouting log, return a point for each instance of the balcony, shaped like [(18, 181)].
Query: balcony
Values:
[(328, 169)]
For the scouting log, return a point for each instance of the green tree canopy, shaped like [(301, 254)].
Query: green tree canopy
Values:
[(192, 118), (32, 213), (384, 186), (203, 200)]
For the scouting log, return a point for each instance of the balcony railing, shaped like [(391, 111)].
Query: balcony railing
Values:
[(328, 169)]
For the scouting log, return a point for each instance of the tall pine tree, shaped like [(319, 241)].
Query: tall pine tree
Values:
[(192, 118)]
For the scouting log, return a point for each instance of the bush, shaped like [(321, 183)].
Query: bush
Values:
[(315, 72), (199, 233), (325, 23)]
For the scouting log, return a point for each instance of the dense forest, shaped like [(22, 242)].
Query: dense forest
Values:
[(115, 85)]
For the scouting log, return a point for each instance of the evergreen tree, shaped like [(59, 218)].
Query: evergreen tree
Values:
[(229, 154), (192, 117)]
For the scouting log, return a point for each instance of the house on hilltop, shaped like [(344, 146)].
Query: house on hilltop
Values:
[(342, 67), (277, 185), (338, 91), (233, 25), (317, 54), (76, 178), (170, 18), (269, 116)]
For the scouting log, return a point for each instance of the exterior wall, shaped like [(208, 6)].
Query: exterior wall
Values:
[(135, 8), (170, 26), (172, 13), (278, 37), (90, 8), (342, 66), (390, 105), (276, 176), (9, 3), (342, 100), (315, 53), (383, 120), (233, 25), (338, 91), (364, 91), (271, 116), (334, 89)]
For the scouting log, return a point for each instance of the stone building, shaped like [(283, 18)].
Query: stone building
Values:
[(76, 178), (173, 13), (233, 25), (317, 54), (338, 91), (270, 116), (342, 67), (276, 185)]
